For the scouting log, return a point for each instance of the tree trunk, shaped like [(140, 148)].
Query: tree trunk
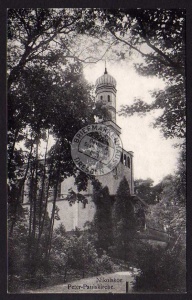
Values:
[(35, 194), (42, 188), (21, 185)]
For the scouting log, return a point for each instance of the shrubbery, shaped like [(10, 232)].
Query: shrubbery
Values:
[(161, 269), (73, 256)]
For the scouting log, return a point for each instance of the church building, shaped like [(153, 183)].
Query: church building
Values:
[(76, 215)]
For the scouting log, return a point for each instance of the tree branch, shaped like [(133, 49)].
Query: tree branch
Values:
[(161, 53), (169, 62)]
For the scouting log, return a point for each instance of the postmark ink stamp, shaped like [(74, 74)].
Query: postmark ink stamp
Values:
[(96, 149)]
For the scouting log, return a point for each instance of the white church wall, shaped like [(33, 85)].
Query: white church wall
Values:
[(75, 215)]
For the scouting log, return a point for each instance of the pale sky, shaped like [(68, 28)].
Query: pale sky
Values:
[(154, 156)]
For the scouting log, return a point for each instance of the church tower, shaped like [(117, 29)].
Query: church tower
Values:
[(106, 94), (105, 89)]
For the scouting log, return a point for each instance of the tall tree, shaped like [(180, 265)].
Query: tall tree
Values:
[(161, 36), (62, 108), (103, 216), (144, 189), (170, 212), (124, 223), (39, 36)]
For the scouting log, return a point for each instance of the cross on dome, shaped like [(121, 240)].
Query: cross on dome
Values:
[(106, 79), (105, 67)]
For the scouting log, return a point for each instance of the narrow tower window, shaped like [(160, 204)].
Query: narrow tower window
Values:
[(124, 160), (101, 97), (128, 162), (109, 98)]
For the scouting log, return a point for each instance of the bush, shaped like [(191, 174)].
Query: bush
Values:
[(105, 265), (161, 270)]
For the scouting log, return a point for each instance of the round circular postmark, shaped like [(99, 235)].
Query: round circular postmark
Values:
[(96, 149)]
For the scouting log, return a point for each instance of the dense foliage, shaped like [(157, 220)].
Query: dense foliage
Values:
[(72, 256), (146, 190), (161, 270)]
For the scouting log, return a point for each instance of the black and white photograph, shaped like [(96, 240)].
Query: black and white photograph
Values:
[(96, 109)]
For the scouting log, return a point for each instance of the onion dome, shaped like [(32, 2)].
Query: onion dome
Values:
[(105, 79)]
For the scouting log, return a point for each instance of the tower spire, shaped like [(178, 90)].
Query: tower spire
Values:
[(105, 67)]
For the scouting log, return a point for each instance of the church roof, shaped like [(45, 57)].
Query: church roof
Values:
[(106, 79)]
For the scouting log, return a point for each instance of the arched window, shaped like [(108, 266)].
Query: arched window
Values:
[(128, 162), (124, 160), (109, 98), (101, 97)]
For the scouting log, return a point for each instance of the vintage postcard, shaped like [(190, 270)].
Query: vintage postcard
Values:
[(96, 150)]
